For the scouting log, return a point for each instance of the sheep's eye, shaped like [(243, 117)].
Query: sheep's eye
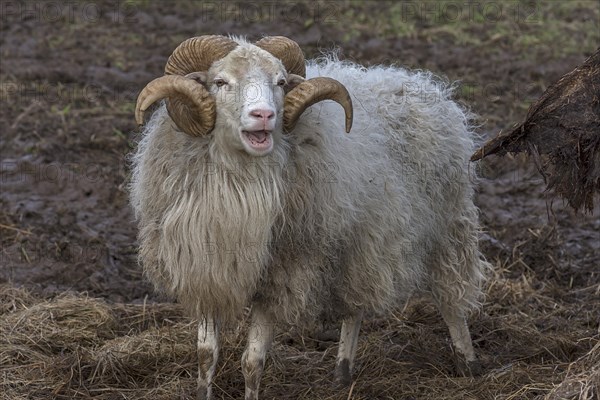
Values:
[(220, 82), (281, 82)]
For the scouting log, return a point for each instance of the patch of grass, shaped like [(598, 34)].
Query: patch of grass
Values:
[(567, 27), (137, 3)]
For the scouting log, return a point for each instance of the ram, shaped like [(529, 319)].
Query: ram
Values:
[(250, 192)]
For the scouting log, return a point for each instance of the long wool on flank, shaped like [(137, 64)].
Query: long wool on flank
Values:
[(327, 223)]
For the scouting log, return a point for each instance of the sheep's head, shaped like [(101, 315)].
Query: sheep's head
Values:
[(254, 91)]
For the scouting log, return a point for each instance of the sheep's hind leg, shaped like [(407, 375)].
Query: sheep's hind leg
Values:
[(208, 352), (347, 349), (466, 361), (260, 338)]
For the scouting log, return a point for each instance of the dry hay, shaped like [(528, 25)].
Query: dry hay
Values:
[(562, 134), (537, 337)]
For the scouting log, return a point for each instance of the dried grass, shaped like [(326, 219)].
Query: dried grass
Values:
[(536, 340)]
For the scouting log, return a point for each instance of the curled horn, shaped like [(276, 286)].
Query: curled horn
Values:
[(189, 104), (313, 91), (288, 51), (308, 92), (198, 54), (192, 107)]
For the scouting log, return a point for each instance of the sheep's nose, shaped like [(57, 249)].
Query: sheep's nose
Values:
[(263, 114)]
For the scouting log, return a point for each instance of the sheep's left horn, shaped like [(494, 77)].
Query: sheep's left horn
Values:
[(313, 91), (191, 106), (288, 51)]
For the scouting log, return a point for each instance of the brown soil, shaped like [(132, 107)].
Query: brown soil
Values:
[(79, 321)]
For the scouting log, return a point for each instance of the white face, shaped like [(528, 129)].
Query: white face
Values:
[(248, 88)]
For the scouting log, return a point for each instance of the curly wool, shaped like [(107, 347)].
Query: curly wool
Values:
[(329, 222)]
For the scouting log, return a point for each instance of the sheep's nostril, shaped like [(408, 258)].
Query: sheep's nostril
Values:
[(262, 114)]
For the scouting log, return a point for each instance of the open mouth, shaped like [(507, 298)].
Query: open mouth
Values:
[(258, 140)]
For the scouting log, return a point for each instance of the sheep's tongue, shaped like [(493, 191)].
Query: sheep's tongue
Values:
[(259, 136)]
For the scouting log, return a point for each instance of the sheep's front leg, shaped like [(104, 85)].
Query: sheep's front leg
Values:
[(466, 361), (260, 338), (347, 349), (208, 352)]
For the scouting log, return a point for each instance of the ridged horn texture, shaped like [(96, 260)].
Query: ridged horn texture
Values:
[(198, 54), (193, 108), (190, 105), (193, 55), (313, 91), (288, 51)]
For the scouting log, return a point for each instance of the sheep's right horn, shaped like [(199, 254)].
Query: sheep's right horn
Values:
[(193, 109), (198, 54), (313, 91), (191, 106)]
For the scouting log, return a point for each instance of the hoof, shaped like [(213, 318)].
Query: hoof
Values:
[(203, 393), (343, 377), (251, 394), (468, 368)]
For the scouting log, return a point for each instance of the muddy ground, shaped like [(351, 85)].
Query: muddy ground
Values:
[(70, 73)]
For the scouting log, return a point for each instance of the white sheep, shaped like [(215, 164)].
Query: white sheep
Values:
[(250, 194)]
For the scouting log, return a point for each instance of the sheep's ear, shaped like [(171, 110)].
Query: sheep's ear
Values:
[(201, 77), (293, 80)]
